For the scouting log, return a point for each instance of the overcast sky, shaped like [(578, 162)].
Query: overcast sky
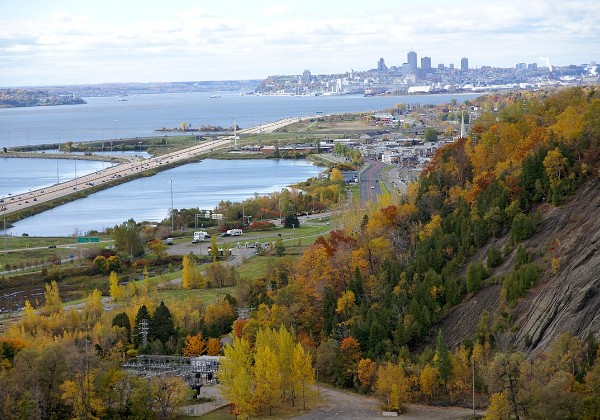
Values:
[(45, 42)]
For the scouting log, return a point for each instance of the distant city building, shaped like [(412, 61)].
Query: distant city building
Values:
[(441, 66), (452, 65), (306, 76), (532, 66), (406, 69), (411, 59), (381, 67), (521, 66), (426, 64), (464, 63)]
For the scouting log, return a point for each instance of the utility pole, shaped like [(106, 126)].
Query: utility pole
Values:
[(473, 374)]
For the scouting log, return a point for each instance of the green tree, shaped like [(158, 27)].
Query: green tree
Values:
[(430, 134), (142, 314), (291, 221), (279, 247), (442, 359), (127, 238), (162, 326), (122, 320)]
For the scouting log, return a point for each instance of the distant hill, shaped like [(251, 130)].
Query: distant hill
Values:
[(126, 89), (14, 98)]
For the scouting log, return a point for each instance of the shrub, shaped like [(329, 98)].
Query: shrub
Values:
[(476, 272), (494, 257)]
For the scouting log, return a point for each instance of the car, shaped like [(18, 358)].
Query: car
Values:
[(169, 241), (225, 234), (51, 246), (372, 187), (195, 241)]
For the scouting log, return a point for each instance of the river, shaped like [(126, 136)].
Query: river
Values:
[(202, 184)]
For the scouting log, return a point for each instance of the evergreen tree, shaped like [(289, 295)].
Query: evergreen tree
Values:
[(442, 358), (140, 316), (122, 320), (329, 315), (162, 327)]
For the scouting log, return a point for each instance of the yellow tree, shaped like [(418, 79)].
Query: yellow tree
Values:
[(268, 379), (555, 164), (195, 345), (93, 306), (168, 392), (303, 374), (429, 380), (116, 291), (392, 385), (499, 407), (188, 273), (336, 176), (53, 303), (284, 351), (237, 377)]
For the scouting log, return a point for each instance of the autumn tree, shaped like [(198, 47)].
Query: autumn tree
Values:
[(303, 374), (158, 247), (392, 385), (236, 377), (268, 378), (52, 300), (213, 347), (429, 380), (116, 291), (195, 345)]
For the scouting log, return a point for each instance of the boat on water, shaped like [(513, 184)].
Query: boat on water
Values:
[(215, 96), (122, 99)]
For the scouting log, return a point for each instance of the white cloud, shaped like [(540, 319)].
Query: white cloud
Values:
[(248, 42)]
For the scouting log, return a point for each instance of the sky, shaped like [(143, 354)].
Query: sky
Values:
[(50, 42)]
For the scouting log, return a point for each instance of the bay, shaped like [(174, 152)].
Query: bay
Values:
[(202, 184), (22, 175), (106, 118)]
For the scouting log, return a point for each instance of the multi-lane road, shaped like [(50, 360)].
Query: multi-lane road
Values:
[(19, 202), (369, 181)]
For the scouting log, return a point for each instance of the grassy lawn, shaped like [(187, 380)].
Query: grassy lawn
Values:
[(253, 268), (205, 295)]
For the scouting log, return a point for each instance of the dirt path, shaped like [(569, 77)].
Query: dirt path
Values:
[(346, 405)]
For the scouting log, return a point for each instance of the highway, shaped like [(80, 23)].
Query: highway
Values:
[(19, 202), (369, 182)]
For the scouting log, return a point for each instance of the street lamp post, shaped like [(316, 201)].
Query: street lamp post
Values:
[(172, 209), (4, 214)]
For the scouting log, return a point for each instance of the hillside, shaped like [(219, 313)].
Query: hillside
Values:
[(559, 302)]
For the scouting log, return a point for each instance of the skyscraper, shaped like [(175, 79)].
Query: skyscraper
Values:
[(381, 67), (412, 61), (464, 63), (426, 64)]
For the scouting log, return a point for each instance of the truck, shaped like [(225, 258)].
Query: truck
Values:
[(200, 236)]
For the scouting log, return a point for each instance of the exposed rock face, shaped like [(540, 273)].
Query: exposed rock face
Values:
[(568, 300)]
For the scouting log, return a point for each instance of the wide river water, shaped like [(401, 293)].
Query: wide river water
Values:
[(201, 185)]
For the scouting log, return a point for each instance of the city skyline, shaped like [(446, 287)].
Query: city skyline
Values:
[(73, 42)]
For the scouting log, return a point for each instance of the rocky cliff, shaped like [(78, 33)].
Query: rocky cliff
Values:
[(567, 299)]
